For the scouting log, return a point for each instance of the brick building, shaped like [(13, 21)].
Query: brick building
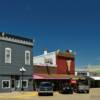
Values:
[(56, 66)]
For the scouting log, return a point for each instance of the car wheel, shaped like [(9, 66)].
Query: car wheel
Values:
[(87, 91), (39, 94)]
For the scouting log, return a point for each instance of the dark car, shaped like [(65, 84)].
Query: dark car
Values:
[(45, 88), (66, 89)]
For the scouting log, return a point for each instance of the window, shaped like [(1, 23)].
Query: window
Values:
[(48, 61), (7, 55), (5, 84), (25, 83), (18, 83), (27, 57)]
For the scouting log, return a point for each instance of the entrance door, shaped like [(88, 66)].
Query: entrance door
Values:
[(13, 84)]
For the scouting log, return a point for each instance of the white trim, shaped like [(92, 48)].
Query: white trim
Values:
[(6, 60), (18, 84), (26, 83), (6, 87), (16, 41), (27, 62)]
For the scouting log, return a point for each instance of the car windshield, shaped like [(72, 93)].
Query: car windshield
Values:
[(45, 85), (83, 82)]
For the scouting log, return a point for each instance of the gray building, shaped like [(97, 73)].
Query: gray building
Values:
[(16, 65)]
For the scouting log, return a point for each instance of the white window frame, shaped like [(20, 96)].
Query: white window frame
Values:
[(18, 84), (27, 62), (6, 60), (6, 87), (26, 83)]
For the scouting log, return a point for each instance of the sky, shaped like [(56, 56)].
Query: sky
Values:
[(56, 24)]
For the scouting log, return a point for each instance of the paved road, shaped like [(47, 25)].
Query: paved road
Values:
[(93, 95)]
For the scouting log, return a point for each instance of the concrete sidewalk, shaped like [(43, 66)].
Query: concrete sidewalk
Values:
[(17, 95)]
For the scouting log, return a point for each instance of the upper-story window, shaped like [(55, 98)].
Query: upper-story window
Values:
[(27, 57), (7, 55)]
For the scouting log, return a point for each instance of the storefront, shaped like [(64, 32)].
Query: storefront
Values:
[(95, 81), (55, 79)]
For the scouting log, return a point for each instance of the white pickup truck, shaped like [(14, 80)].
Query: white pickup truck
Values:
[(83, 89)]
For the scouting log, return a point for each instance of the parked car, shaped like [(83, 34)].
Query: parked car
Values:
[(45, 88), (82, 89), (68, 89), (83, 86)]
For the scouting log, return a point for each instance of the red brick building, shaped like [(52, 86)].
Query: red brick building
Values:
[(65, 63), (55, 66)]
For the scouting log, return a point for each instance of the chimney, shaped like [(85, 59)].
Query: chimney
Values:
[(45, 51), (69, 51)]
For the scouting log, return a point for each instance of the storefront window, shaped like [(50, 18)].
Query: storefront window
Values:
[(6, 84), (18, 84), (25, 83)]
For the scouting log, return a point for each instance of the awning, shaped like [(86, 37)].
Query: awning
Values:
[(96, 77), (37, 77), (51, 76)]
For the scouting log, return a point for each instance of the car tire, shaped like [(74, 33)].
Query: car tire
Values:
[(87, 91), (39, 94)]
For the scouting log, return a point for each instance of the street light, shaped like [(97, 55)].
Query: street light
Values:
[(22, 70)]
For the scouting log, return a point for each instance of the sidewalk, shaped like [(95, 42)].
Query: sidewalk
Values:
[(17, 95)]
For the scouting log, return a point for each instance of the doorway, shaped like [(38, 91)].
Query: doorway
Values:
[(14, 82)]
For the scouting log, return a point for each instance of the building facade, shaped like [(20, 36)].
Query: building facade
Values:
[(60, 62), (92, 72), (57, 67), (15, 53)]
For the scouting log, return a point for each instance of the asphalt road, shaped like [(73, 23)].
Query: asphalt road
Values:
[(93, 95)]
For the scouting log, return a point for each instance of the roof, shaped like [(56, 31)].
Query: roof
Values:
[(16, 39), (66, 54), (15, 36)]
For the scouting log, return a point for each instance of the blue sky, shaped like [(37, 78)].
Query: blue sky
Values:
[(56, 24)]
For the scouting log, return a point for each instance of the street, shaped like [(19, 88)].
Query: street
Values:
[(93, 95)]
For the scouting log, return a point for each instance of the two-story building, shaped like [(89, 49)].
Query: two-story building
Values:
[(16, 65), (57, 67)]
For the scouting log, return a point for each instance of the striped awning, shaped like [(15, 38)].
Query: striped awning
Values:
[(51, 76)]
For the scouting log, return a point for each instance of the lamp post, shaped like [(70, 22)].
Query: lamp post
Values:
[(22, 70)]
